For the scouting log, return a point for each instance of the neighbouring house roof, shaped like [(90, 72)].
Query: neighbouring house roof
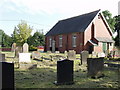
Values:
[(74, 24), (104, 39)]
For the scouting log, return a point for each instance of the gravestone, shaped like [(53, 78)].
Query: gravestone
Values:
[(53, 46), (95, 67), (36, 55), (17, 51), (13, 47), (101, 54), (25, 48), (65, 52), (57, 52), (2, 57), (24, 57), (71, 55), (64, 72), (94, 54), (117, 54), (6, 76), (106, 53), (84, 55)]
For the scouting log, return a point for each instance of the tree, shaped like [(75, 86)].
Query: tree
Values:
[(37, 39), (6, 40), (109, 19), (21, 33), (117, 28)]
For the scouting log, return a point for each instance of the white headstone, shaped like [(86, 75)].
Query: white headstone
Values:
[(24, 57), (25, 48), (101, 54)]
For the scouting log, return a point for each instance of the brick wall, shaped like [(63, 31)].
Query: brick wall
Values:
[(66, 42)]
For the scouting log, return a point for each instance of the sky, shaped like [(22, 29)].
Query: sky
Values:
[(44, 14)]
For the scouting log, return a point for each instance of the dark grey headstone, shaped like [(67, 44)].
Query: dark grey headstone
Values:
[(2, 57), (6, 76), (84, 55), (95, 67), (65, 72)]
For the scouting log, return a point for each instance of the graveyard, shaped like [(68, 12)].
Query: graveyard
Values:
[(44, 74)]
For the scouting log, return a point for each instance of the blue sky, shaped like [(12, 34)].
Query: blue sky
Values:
[(44, 14)]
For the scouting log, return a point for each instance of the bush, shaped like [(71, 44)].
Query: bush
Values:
[(32, 48)]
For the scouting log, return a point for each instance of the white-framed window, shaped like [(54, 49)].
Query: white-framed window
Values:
[(74, 40), (60, 40), (50, 42)]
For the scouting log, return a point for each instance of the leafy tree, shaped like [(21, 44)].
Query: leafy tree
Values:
[(117, 28), (6, 40), (37, 39), (21, 33), (109, 19)]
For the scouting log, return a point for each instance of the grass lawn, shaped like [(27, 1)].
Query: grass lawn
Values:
[(45, 75)]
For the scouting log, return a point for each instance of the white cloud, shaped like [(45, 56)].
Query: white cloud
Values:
[(73, 7)]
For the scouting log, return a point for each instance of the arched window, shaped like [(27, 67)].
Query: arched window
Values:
[(74, 40)]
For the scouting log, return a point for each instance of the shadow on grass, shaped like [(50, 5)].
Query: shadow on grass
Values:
[(35, 78)]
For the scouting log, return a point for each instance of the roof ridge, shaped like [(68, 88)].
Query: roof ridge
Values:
[(80, 15)]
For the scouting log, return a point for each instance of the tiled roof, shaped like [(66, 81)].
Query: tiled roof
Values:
[(74, 24)]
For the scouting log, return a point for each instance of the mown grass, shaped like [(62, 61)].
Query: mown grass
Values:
[(46, 74)]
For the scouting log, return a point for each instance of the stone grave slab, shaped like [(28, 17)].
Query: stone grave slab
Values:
[(27, 66), (36, 55)]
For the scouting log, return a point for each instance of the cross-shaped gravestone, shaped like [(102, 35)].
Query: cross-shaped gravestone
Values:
[(25, 48)]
